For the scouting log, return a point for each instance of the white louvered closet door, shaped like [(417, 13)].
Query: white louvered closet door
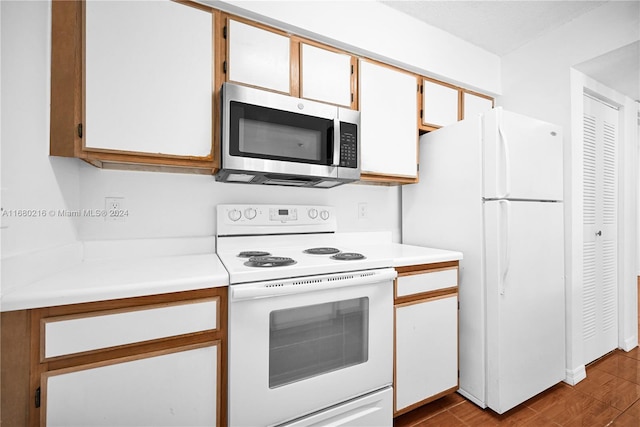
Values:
[(600, 250)]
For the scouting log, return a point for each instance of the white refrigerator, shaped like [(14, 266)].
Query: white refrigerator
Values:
[(491, 187)]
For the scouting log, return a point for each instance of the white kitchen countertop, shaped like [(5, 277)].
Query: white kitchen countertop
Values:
[(97, 280), (99, 277), (403, 255)]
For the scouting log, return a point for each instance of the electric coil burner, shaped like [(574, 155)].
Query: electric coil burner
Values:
[(251, 254), (321, 251), (348, 256), (269, 261)]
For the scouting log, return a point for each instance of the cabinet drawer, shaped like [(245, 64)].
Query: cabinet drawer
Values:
[(81, 332), (426, 282)]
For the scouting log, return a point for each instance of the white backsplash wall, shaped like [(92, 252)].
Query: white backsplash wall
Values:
[(181, 205)]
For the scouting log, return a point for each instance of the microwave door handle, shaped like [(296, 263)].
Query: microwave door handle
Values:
[(336, 142)]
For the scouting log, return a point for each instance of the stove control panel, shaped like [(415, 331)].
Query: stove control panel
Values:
[(239, 219)]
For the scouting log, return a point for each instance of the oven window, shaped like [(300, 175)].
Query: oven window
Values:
[(266, 133), (308, 341)]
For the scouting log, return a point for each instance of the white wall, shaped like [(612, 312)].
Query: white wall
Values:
[(179, 205), (537, 81), (31, 180), (370, 28)]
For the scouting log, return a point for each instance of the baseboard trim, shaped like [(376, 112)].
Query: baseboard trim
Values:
[(574, 376)]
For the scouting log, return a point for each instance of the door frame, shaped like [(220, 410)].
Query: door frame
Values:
[(627, 221)]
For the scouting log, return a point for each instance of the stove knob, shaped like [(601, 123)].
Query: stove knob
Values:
[(250, 213), (313, 213), (234, 214), (324, 215)]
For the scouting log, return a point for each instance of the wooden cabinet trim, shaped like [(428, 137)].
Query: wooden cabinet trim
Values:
[(226, 65), (430, 126), (470, 92), (425, 268), (416, 405), (425, 296), (130, 346)]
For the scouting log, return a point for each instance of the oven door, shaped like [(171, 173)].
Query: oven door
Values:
[(273, 133), (297, 346)]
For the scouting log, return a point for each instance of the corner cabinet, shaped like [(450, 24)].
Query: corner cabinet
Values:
[(440, 104), (474, 104), (132, 84), (389, 131), (426, 334), (156, 360)]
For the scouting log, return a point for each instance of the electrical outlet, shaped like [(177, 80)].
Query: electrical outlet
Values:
[(362, 210), (115, 209)]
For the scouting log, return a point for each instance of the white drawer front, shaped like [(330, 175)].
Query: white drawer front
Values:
[(72, 335), (437, 279)]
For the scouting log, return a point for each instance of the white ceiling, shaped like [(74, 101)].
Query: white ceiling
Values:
[(503, 26)]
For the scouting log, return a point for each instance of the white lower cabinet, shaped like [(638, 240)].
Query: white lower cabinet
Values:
[(426, 339), (170, 389), (426, 349), (156, 360)]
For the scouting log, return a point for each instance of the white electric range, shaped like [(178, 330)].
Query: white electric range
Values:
[(310, 319)]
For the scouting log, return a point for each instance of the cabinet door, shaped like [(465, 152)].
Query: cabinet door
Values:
[(388, 111), (325, 75), (172, 389), (475, 104), (426, 353), (439, 104), (148, 84), (258, 57)]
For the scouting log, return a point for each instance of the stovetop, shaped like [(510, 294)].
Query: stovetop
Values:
[(244, 269), (267, 242)]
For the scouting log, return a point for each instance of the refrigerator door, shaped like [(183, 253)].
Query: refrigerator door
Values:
[(522, 157), (525, 297)]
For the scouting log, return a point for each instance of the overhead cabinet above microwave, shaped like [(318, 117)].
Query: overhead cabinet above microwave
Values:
[(269, 59)]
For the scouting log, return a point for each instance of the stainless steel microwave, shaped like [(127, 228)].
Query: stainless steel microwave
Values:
[(270, 138)]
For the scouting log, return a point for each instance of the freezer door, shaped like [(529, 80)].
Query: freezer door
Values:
[(525, 297), (522, 157)]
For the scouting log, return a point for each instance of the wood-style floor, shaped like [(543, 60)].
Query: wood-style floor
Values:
[(609, 396)]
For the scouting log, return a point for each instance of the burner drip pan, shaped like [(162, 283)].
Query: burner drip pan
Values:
[(348, 256), (251, 254), (269, 261), (321, 251)]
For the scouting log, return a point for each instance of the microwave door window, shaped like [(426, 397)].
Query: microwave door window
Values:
[(266, 133), (270, 140)]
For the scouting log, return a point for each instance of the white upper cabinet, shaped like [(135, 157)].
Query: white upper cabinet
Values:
[(325, 75), (474, 104), (439, 104), (388, 121), (258, 57), (149, 69)]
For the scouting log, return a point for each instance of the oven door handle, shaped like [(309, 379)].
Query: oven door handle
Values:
[(310, 284)]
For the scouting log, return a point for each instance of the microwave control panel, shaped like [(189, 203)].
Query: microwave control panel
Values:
[(348, 145)]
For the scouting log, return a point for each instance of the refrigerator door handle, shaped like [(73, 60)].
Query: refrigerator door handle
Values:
[(505, 253), (507, 162)]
